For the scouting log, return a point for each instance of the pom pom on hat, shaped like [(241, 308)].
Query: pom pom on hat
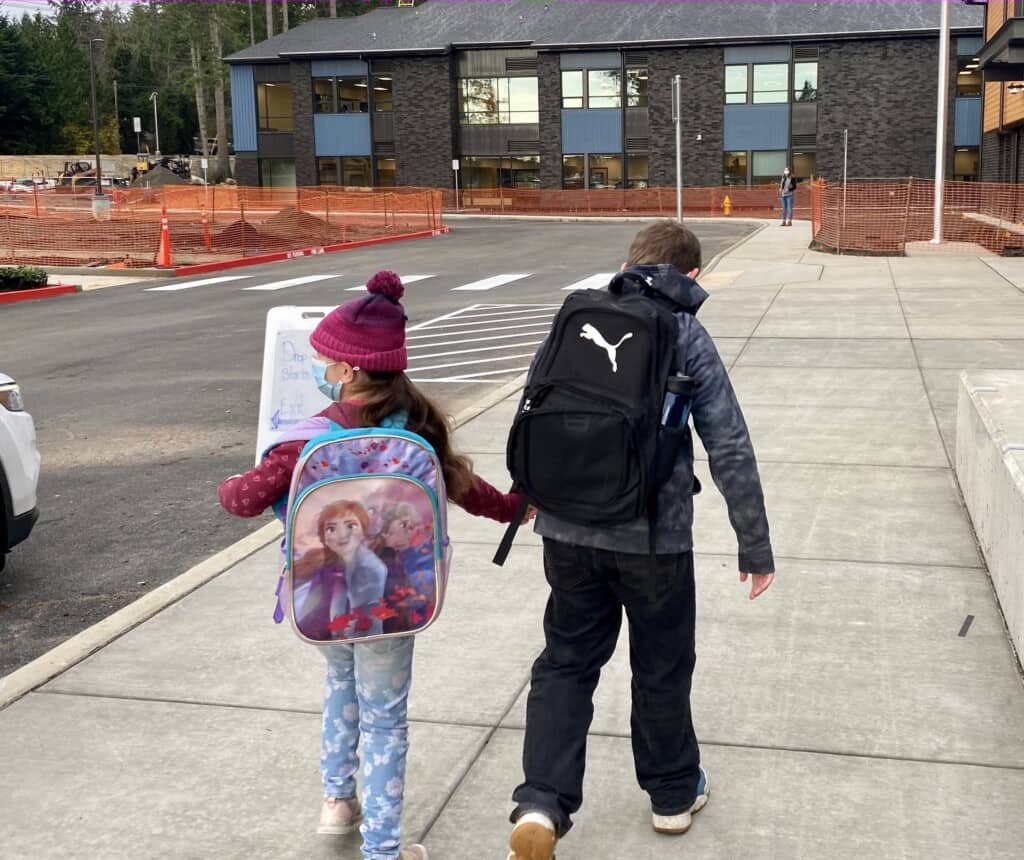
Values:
[(367, 332), (386, 284)]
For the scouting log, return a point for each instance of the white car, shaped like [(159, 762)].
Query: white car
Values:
[(19, 468)]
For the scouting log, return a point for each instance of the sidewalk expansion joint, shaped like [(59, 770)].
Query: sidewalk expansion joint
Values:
[(492, 730), (820, 751), (869, 562)]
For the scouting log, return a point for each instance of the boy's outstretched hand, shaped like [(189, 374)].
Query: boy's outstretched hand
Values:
[(759, 583)]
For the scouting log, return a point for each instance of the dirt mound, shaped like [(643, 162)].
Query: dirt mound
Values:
[(294, 222), (238, 234), (158, 177)]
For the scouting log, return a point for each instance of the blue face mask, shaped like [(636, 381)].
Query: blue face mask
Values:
[(331, 390)]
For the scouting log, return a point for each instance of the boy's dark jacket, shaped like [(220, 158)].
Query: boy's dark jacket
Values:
[(719, 422)]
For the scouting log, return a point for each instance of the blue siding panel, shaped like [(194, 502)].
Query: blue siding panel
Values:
[(967, 122), (757, 54), (337, 68), (591, 60), (341, 134), (243, 109), (586, 131), (756, 127)]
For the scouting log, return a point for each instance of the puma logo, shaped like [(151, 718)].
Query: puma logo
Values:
[(592, 334)]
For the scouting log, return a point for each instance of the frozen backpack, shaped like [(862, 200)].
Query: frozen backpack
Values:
[(366, 551)]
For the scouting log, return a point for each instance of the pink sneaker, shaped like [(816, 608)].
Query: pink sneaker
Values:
[(413, 852), (339, 815)]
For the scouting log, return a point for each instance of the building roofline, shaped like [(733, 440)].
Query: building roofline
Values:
[(547, 47)]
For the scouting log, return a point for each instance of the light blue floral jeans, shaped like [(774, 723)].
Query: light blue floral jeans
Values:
[(367, 695)]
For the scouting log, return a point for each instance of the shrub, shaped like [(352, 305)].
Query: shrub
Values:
[(21, 278)]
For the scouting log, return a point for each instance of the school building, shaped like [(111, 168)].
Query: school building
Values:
[(533, 94), (1001, 61)]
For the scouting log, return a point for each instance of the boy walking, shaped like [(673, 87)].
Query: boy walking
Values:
[(595, 573)]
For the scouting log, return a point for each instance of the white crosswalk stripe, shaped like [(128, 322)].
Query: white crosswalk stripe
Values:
[(594, 282), (491, 283), (291, 282), (406, 280), (190, 285), (485, 343)]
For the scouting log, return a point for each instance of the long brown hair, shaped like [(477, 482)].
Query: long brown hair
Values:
[(387, 393)]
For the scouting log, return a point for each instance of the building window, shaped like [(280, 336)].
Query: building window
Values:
[(572, 89), (804, 165), (805, 82), (277, 172), (347, 170), (498, 101), (516, 171), (573, 170), (766, 167), (636, 87), (355, 171), (274, 107), (735, 168), (968, 78), (383, 94), (324, 95), (339, 95), (965, 164), (604, 171), (327, 171), (735, 85), (386, 172), (637, 166), (604, 88), (771, 83)]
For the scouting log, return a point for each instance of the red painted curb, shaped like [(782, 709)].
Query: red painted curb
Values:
[(9, 298), (202, 268)]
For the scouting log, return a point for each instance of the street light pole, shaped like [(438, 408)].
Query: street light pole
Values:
[(677, 115), (156, 123), (940, 123), (95, 117)]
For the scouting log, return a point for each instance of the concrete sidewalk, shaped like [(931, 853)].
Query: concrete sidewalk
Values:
[(842, 715)]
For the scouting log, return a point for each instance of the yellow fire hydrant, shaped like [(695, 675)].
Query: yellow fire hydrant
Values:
[(727, 206)]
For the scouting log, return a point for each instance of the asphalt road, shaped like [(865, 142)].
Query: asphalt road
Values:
[(144, 401)]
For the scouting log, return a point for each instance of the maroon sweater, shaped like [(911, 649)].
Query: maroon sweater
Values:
[(251, 494)]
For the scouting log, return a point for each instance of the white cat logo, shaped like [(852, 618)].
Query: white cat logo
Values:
[(592, 334)]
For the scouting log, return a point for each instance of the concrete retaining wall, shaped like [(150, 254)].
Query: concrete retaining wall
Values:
[(990, 467)]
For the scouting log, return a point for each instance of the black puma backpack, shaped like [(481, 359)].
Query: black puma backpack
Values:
[(586, 444)]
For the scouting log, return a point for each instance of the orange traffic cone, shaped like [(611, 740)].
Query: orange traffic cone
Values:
[(163, 253), (207, 242)]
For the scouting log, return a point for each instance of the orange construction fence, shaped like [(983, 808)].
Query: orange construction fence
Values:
[(760, 201), (885, 217), (205, 224)]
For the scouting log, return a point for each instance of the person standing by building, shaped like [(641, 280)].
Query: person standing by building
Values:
[(787, 188)]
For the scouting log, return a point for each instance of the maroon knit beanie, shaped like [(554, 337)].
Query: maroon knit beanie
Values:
[(368, 333)]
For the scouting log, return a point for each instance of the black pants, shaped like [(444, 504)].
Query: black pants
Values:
[(589, 588)]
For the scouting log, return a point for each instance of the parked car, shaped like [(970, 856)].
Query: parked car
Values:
[(19, 468)]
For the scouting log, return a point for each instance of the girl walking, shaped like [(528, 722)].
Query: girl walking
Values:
[(359, 364)]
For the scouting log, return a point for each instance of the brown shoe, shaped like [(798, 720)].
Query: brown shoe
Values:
[(533, 838), (339, 815)]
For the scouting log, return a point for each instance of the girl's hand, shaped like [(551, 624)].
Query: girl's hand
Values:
[(531, 512)]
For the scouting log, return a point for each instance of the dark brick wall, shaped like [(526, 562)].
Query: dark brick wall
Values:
[(703, 73), (549, 86), (424, 103), (883, 91), (247, 169), (302, 109), (990, 150)]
